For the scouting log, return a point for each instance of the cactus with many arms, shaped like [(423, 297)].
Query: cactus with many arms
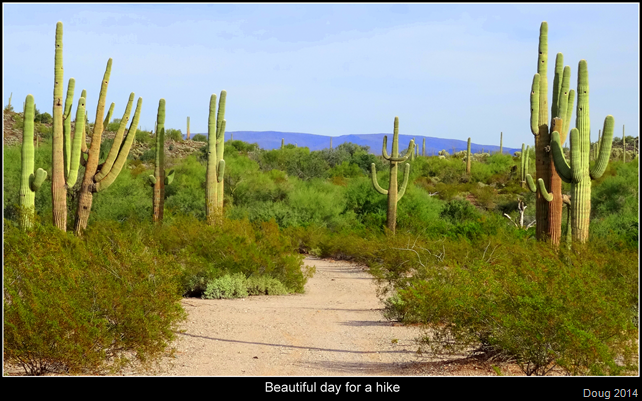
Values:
[(99, 177), (395, 158), (548, 205), (578, 172), (215, 163), (160, 178), (29, 182)]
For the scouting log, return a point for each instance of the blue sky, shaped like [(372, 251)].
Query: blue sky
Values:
[(446, 70)]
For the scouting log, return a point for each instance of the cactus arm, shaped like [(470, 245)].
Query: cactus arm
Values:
[(535, 105), (124, 151), (405, 155), (384, 151), (67, 124), (576, 157), (556, 105), (118, 139), (169, 177), (36, 182), (561, 166), (151, 179), (531, 183), (373, 171), (79, 136), (542, 189), (404, 184), (605, 149), (220, 171), (569, 111)]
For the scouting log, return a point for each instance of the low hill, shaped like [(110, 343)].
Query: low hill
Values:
[(272, 140)]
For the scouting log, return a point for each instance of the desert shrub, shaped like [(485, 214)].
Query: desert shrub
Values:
[(199, 138), (114, 125), (228, 286), (237, 286), (145, 137), (240, 146), (346, 169), (148, 156), (85, 306), (574, 309), (173, 134), (210, 252), (458, 211)]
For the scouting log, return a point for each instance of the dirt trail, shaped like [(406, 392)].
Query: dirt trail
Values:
[(335, 328)]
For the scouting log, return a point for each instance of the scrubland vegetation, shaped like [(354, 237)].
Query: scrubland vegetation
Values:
[(456, 264)]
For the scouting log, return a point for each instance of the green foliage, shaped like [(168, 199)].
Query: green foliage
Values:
[(113, 125), (145, 137), (199, 138), (173, 134), (86, 306), (574, 310), (237, 286)]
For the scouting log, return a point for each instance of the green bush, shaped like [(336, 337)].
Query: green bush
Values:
[(520, 300), (199, 138), (145, 137), (173, 134), (86, 306)]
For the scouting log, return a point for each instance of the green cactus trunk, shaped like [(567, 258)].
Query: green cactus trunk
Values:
[(58, 185), (215, 165), (623, 146), (159, 170), (468, 158), (501, 141), (423, 148), (394, 195), (29, 182), (188, 128), (578, 172)]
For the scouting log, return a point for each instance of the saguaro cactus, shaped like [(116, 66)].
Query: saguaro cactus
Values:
[(524, 164), (548, 205), (578, 172), (29, 182), (160, 178), (215, 162), (501, 140), (282, 143), (65, 154), (395, 158), (623, 146), (100, 177), (468, 157), (423, 148), (188, 128)]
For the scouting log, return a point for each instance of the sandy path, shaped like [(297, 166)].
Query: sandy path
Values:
[(336, 328)]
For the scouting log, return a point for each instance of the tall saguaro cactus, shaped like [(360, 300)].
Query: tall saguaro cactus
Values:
[(58, 189), (215, 161), (578, 172), (160, 179), (548, 205), (65, 154), (423, 148), (99, 177), (188, 128), (29, 182), (501, 141), (394, 195)]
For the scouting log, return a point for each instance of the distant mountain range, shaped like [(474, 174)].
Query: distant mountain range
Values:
[(272, 140)]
